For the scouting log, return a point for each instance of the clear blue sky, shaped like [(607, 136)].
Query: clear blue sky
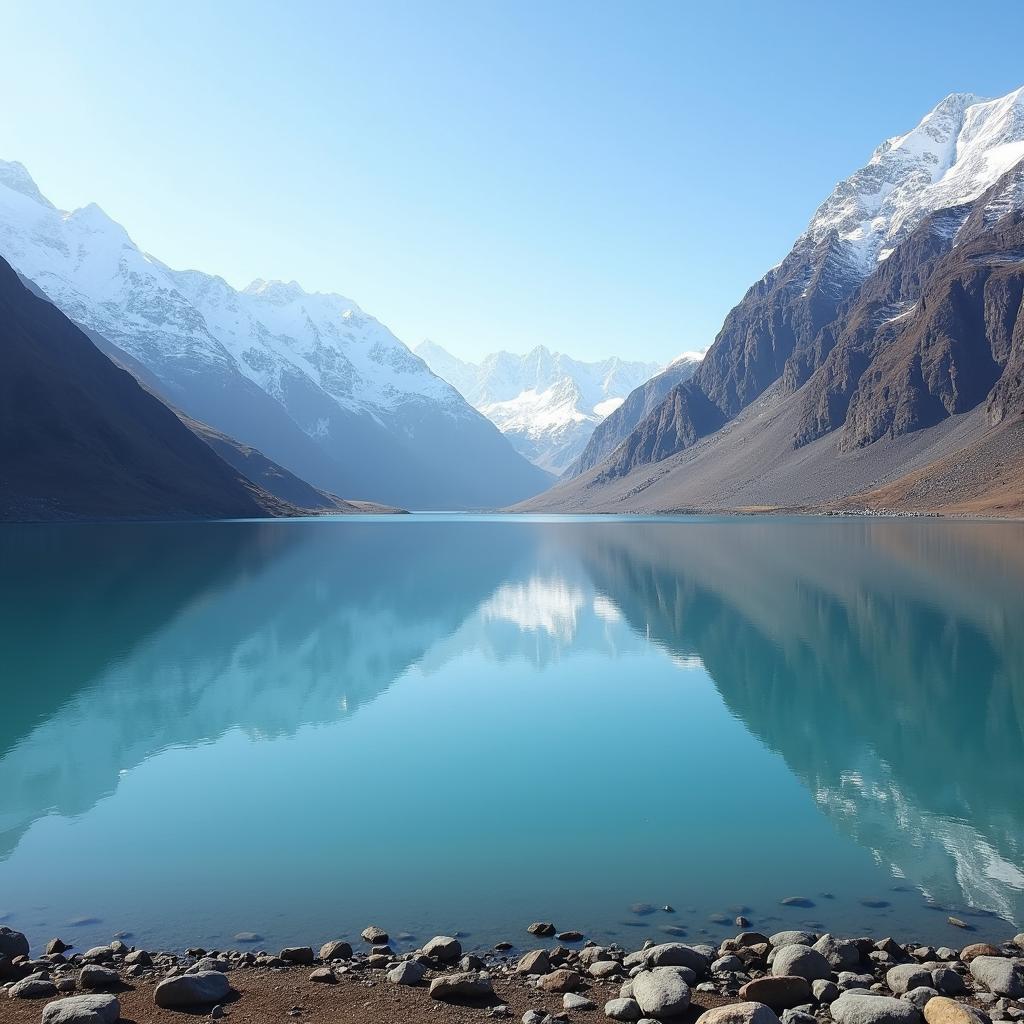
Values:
[(598, 177)]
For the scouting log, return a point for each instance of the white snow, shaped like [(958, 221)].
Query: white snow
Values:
[(272, 331), (957, 151), (545, 402)]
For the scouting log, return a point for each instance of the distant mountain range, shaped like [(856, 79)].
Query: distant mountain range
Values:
[(546, 403), (309, 380), (881, 363)]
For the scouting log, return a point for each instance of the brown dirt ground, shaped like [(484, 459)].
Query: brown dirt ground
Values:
[(267, 996)]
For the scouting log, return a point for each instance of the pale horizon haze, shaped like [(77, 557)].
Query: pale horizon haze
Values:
[(604, 179)]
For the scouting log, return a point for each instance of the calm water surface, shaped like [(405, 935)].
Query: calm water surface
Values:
[(448, 723)]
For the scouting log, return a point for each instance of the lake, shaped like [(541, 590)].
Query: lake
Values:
[(447, 724)]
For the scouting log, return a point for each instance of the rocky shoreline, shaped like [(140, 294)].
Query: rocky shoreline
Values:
[(792, 977)]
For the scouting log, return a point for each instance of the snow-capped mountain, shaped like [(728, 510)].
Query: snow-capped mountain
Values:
[(309, 379), (546, 403), (896, 313), (958, 150)]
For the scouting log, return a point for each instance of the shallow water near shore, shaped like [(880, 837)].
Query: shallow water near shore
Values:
[(451, 723)]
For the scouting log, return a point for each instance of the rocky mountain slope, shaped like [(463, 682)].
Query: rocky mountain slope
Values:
[(890, 337), (310, 380), (639, 404), (546, 403), (82, 439)]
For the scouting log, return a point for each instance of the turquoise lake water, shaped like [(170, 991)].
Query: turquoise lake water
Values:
[(443, 724)]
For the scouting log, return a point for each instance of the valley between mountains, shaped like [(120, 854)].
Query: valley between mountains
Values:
[(879, 366)]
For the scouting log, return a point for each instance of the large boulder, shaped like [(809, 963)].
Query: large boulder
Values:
[(802, 961), (336, 949), (669, 954), (999, 975), (465, 985), (903, 977), (409, 972), (739, 1013), (561, 980), (624, 1009), (842, 954), (12, 943), (536, 961), (82, 1010), (192, 990), (374, 935), (35, 986), (948, 982), (942, 1010), (780, 993), (444, 948), (868, 1008), (968, 953), (97, 978), (792, 938), (661, 993)]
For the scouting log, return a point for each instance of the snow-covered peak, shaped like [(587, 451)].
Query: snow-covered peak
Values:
[(957, 151), (14, 176), (691, 357), (273, 332), (545, 402)]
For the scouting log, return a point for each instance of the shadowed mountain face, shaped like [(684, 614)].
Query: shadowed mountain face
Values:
[(81, 438), (876, 666)]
